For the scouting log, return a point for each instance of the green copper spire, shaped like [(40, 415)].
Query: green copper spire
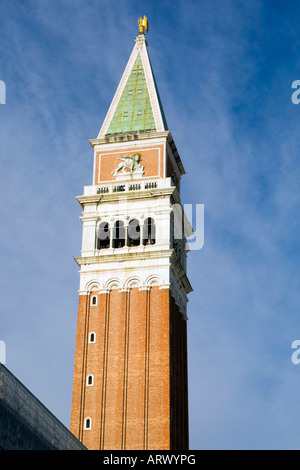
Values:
[(136, 105), (134, 111)]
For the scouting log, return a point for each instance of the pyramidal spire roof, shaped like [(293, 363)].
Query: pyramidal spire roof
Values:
[(136, 105)]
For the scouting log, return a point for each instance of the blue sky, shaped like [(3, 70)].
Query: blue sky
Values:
[(224, 71)]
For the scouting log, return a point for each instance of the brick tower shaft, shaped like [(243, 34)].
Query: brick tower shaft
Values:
[(130, 387)]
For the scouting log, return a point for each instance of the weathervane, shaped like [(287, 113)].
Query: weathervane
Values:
[(143, 24)]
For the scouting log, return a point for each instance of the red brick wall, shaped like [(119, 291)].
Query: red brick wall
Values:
[(179, 379), (139, 334)]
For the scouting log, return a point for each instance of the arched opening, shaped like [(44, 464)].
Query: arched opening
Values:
[(94, 300), (134, 233), (90, 380), (119, 234), (92, 338), (87, 423), (103, 240), (149, 232)]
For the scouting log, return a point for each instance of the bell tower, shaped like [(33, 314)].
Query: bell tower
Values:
[(130, 376)]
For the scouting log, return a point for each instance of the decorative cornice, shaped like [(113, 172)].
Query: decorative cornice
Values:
[(121, 257), (141, 135), (128, 137), (175, 153), (138, 194), (181, 274), (175, 286)]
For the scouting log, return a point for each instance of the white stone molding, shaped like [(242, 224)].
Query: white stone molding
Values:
[(92, 286), (177, 290), (152, 89), (143, 287), (154, 280), (124, 289), (165, 286), (134, 281), (113, 283), (104, 291)]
